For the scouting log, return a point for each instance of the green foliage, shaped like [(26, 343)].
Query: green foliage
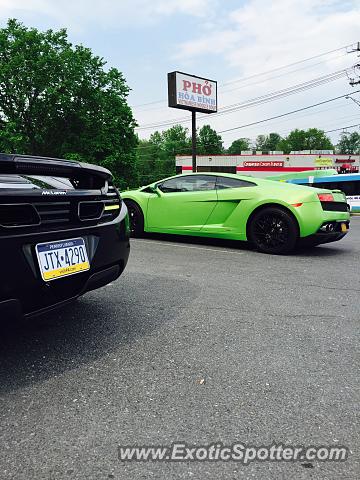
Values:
[(176, 140), (150, 162), (237, 146), (311, 139), (268, 143), (260, 142), (349, 143), (58, 100), (209, 142), (317, 140), (155, 158)]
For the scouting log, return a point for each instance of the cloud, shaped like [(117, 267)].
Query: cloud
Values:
[(262, 35), (227, 42), (130, 13)]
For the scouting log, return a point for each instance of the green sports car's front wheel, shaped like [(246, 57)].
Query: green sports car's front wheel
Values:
[(273, 230), (136, 218)]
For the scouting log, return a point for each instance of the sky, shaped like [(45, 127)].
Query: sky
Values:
[(251, 47)]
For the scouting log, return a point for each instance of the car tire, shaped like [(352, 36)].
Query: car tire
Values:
[(273, 230), (136, 219)]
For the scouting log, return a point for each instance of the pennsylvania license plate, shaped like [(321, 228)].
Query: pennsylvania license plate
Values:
[(62, 258)]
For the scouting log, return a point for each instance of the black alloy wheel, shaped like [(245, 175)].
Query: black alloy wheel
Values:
[(136, 218), (273, 230)]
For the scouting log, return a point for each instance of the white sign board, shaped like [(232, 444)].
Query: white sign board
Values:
[(190, 92)]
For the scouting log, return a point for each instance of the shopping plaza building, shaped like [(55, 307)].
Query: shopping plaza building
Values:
[(272, 163)]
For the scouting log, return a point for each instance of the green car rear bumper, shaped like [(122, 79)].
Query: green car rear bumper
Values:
[(311, 217)]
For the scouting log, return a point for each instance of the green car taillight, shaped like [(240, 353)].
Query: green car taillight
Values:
[(326, 197)]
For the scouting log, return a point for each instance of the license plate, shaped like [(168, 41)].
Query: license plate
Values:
[(343, 227), (62, 258)]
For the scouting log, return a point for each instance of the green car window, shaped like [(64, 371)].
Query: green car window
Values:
[(228, 182), (195, 183)]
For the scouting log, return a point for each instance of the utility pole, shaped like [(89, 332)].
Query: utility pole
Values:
[(353, 81), (354, 49)]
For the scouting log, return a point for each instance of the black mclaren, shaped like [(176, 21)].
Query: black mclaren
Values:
[(63, 231)]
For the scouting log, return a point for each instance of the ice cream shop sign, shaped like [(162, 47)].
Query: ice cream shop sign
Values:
[(190, 92)]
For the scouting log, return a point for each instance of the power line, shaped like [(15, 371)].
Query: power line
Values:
[(355, 100), (148, 103), (284, 133), (258, 82), (243, 79), (285, 114), (343, 128), (288, 91), (279, 94), (148, 147), (187, 149), (274, 77), (305, 115), (253, 139), (291, 64)]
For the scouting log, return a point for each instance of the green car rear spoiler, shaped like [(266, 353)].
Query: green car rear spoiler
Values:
[(306, 174)]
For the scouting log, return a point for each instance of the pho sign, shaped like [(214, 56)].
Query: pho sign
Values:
[(190, 92)]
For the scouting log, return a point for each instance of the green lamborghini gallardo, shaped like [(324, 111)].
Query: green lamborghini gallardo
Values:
[(273, 216)]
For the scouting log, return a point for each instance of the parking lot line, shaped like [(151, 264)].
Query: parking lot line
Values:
[(187, 246)]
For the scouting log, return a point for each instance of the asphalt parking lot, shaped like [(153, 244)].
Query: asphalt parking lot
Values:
[(198, 341)]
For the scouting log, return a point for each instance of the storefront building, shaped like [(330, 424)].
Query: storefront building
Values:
[(262, 165)]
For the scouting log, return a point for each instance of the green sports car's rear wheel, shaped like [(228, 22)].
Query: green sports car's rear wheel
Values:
[(273, 230), (136, 218)]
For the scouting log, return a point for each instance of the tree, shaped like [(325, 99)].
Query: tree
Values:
[(147, 153), (317, 140), (272, 142), (239, 146), (349, 143), (260, 143), (294, 141), (311, 139), (209, 142), (58, 100), (156, 156), (176, 140), (268, 143)]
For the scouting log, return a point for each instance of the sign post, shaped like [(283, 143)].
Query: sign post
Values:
[(193, 140), (197, 94)]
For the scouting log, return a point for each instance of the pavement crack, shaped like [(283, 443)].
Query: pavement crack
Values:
[(342, 289)]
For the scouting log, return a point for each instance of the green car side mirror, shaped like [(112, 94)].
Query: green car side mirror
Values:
[(155, 189)]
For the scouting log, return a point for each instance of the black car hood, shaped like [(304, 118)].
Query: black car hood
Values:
[(27, 165)]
